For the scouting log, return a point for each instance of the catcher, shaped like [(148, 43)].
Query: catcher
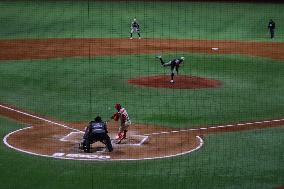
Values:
[(174, 64), (124, 122), (96, 131)]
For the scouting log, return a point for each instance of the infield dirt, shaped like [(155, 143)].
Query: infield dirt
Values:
[(44, 138)]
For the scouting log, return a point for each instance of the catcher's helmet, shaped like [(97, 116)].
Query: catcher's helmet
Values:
[(117, 106), (98, 119)]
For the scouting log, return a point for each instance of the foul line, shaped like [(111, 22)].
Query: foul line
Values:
[(216, 127), (40, 118), (201, 142)]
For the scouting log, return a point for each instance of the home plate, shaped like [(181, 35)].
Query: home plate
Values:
[(215, 48)]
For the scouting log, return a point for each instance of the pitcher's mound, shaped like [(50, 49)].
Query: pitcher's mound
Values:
[(180, 82)]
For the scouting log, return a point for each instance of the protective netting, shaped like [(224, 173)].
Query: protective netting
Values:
[(141, 94)]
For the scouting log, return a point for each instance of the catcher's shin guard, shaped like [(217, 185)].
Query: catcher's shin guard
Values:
[(81, 146), (85, 146), (108, 144)]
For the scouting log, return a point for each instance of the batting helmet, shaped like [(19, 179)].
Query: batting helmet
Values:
[(117, 106)]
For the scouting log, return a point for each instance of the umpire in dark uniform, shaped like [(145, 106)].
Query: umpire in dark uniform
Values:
[(96, 131), (271, 27)]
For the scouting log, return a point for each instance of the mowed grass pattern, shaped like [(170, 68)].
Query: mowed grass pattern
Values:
[(250, 159), (158, 19), (78, 89)]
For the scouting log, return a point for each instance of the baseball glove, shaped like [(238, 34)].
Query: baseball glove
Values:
[(115, 116)]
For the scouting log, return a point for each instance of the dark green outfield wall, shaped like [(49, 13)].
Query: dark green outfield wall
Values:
[(229, 1)]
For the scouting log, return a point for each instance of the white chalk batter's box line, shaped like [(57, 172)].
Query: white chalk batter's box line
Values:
[(81, 156), (66, 156), (68, 138), (93, 157), (106, 157)]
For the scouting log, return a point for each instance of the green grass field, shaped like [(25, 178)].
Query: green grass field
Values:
[(233, 160), (158, 19), (84, 88), (76, 89)]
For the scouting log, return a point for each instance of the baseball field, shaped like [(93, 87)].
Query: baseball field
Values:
[(219, 125)]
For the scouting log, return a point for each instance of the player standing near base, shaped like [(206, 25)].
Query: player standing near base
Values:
[(134, 28), (125, 122), (174, 64)]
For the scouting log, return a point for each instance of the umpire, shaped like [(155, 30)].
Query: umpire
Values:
[(96, 131), (271, 27)]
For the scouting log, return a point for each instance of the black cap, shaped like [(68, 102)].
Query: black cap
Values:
[(98, 119)]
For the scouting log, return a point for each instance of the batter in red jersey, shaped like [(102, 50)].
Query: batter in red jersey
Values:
[(125, 122)]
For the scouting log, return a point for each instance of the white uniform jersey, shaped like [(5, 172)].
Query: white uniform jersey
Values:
[(123, 114)]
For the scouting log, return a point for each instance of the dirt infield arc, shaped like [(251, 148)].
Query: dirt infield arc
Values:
[(44, 137), (49, 137), (28, 49), (181, 82)]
